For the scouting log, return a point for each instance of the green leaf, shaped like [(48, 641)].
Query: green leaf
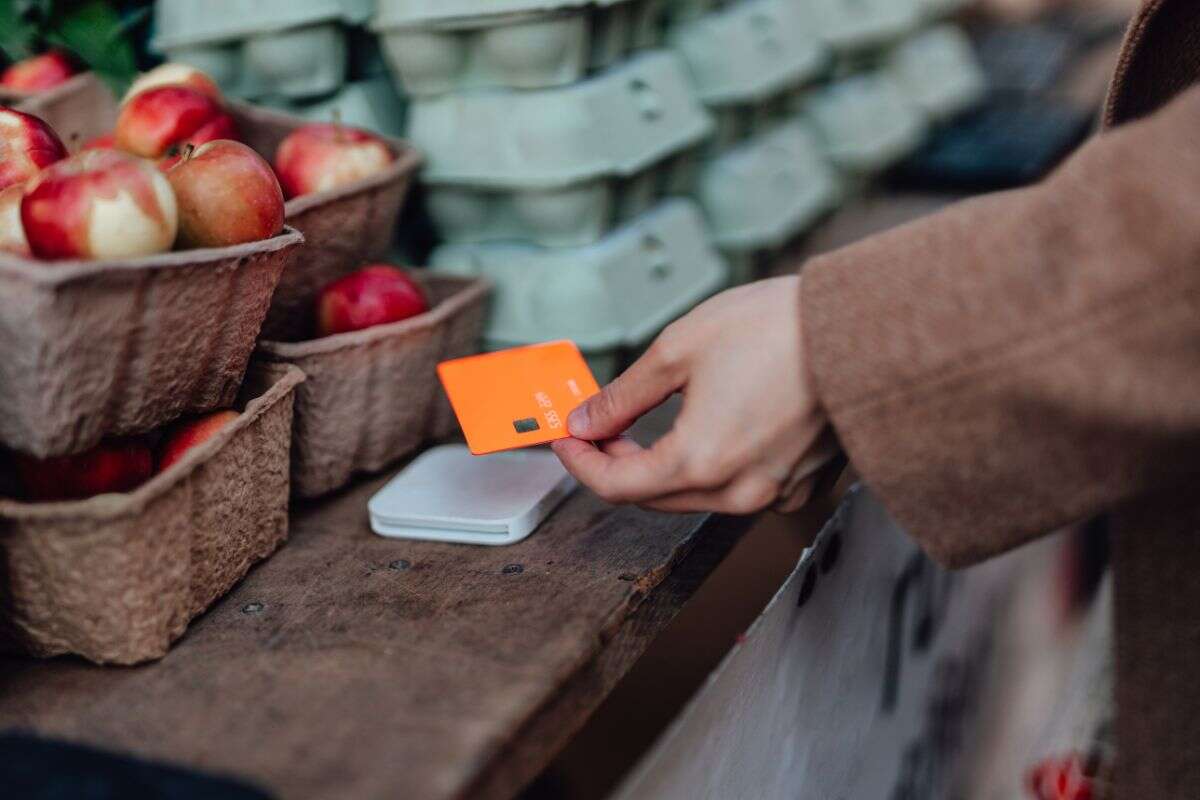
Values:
[(97, 35)]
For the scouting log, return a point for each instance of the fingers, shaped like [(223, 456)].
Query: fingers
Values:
[(743, 496), (621, 471), (799, 497), (647, 383)]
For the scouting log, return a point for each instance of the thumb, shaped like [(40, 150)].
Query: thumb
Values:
[(645, 385)]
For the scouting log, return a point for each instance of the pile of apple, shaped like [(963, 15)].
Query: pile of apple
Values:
[(115, 465), (171, 175)]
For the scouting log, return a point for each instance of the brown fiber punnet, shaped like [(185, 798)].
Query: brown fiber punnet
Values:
[(13, 98), (116, 578), (104, 348), (342, 228), (372, 396)]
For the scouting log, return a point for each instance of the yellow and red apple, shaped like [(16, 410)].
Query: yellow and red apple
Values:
[(189, 434), (12, 232), (173, 73), (226, 194), (322, 156), (374, 295), (105, 141), (38, 73), (161, 118), (27, 144), (99, 204), (119, 465)]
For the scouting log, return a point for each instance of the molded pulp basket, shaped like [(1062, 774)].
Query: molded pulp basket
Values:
[(372, 396), (117, 578)]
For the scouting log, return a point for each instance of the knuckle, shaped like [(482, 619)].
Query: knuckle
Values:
[(611, 495), (667, 351), (702, 469)]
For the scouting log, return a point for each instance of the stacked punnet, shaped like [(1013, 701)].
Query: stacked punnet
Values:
[(147, 246), (135, 275)]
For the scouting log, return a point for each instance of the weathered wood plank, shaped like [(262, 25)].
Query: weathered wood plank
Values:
[(355, 666)]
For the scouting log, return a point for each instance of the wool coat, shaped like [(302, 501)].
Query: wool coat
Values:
[(1031, 358)]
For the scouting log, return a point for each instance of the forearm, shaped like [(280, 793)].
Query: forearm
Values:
[(1028, 358)]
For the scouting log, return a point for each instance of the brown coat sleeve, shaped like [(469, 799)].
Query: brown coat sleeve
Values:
[(1028, 358)]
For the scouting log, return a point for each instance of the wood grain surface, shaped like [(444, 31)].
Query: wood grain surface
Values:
[(354, 666)]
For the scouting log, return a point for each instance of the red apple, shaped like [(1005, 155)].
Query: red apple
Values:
[(227, 194), (12, 232), (26, 146), (164, 117), (189, 434), (107, 141), (374, 295), (322, 156), (115, 466), (99, 204), (38, 73), (173, 73)]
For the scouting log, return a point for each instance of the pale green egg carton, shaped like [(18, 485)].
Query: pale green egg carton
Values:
[(371, 104), (440, 47), (187, 23), (675, 12), (764, 192), (938, 71), (850, 25), (939, 9), (293, 64), (569, 216), (613, 125), (750, 51), (261, 48), (616, 293), (865, 122)]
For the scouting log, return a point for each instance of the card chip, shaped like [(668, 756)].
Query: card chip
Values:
[(527, 425)]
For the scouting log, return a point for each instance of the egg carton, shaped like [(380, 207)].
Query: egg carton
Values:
[(852, 25), (570, 216), (117, 578), (938, 9), (435, 48), (675, 12), (371, 104), (749, 51), (188, 23), (616, 293), (613, 125), (765, 191), (865, 122), (938, 71), (735, 124), (303, 62)]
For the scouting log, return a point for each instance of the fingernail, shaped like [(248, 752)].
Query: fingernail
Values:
[(577, 420)]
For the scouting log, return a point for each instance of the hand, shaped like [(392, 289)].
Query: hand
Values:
[(750, 433)]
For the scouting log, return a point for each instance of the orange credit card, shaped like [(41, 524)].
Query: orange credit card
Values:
[(519, 397)]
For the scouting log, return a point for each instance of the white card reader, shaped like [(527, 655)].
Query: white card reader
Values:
[(448, 495)]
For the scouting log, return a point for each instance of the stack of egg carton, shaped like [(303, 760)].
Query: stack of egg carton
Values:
[(762, 178), (559, 138), (898, 69), (313, 58)]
